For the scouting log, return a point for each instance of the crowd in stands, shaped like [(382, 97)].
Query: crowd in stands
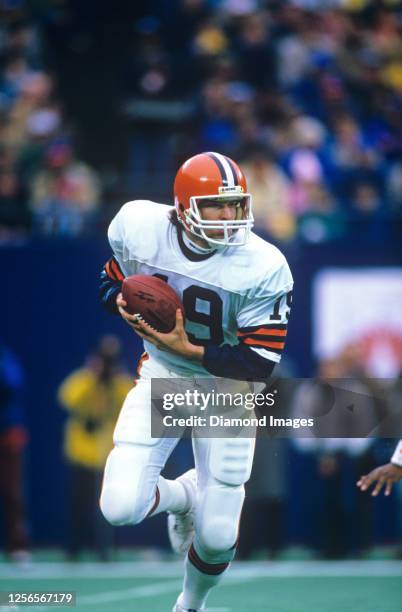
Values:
[(307, 95), (43, 188)]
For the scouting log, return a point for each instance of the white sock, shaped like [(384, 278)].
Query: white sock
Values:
[(172, 497), (197, 584)]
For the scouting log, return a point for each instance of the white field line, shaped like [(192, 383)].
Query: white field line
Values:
[(149, 590), (135, 593), (140, 592), (174, 569)]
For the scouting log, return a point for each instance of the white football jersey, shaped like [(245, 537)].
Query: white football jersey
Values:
[(234, 294)]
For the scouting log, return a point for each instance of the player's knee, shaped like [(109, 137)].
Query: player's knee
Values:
[(118, 508), (218, 521), (218, 535), (123, 500)]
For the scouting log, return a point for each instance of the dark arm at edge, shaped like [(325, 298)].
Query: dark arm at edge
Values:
[(238, 362), (108, 291)]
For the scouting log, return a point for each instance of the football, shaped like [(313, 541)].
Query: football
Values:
[(153, 299)]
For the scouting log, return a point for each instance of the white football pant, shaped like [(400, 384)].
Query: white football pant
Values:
[(133, 488)]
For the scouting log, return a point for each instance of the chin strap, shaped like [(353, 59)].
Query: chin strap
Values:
[(196, 247)]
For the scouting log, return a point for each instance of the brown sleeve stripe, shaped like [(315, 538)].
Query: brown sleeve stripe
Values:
[(156, 502), (264, 332), (116, 269), (113, 270), (212, 569), (109, 271), (269, 326)]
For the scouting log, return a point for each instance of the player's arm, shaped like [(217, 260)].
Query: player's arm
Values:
[(113, 271), (262, 328), (238, 362), (387, 474), (111, 279), (262, 332)]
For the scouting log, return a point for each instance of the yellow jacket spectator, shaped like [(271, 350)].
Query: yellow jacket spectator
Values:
[(92, 395), (93, 404)]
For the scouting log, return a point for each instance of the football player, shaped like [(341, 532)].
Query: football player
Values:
[(236, 291), (387, 474)]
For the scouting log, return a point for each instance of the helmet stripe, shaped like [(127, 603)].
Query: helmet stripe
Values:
[(228, 174), (232, 168)]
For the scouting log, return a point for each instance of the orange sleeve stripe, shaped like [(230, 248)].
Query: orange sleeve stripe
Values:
[(264, 332), (115, 268), (109, 272), (264, 343)]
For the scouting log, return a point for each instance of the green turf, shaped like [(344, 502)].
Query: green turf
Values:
[(322, 594), (243, 594)]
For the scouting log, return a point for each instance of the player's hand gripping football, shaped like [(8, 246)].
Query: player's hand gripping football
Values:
[(175, 341), (386, 475)]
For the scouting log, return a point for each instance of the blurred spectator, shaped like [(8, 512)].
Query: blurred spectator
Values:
[(32, 120), (34, 93), (262, 529), (13, 439), (263, 522), (23, 38), (317, 215), (14, 214), (65, 194), (323, 78), (395, 188), (210, 39), (293, 60), (270, 190), (353, 160), (151, 105), (339, 521), (308, 132), (308, 189), (217, 130), (254, 52), (93, 396), (367, 214)]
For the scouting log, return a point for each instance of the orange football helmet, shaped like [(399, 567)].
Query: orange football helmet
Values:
[(217, 178)]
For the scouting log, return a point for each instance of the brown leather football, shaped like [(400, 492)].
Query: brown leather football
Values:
[(153, 299)]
